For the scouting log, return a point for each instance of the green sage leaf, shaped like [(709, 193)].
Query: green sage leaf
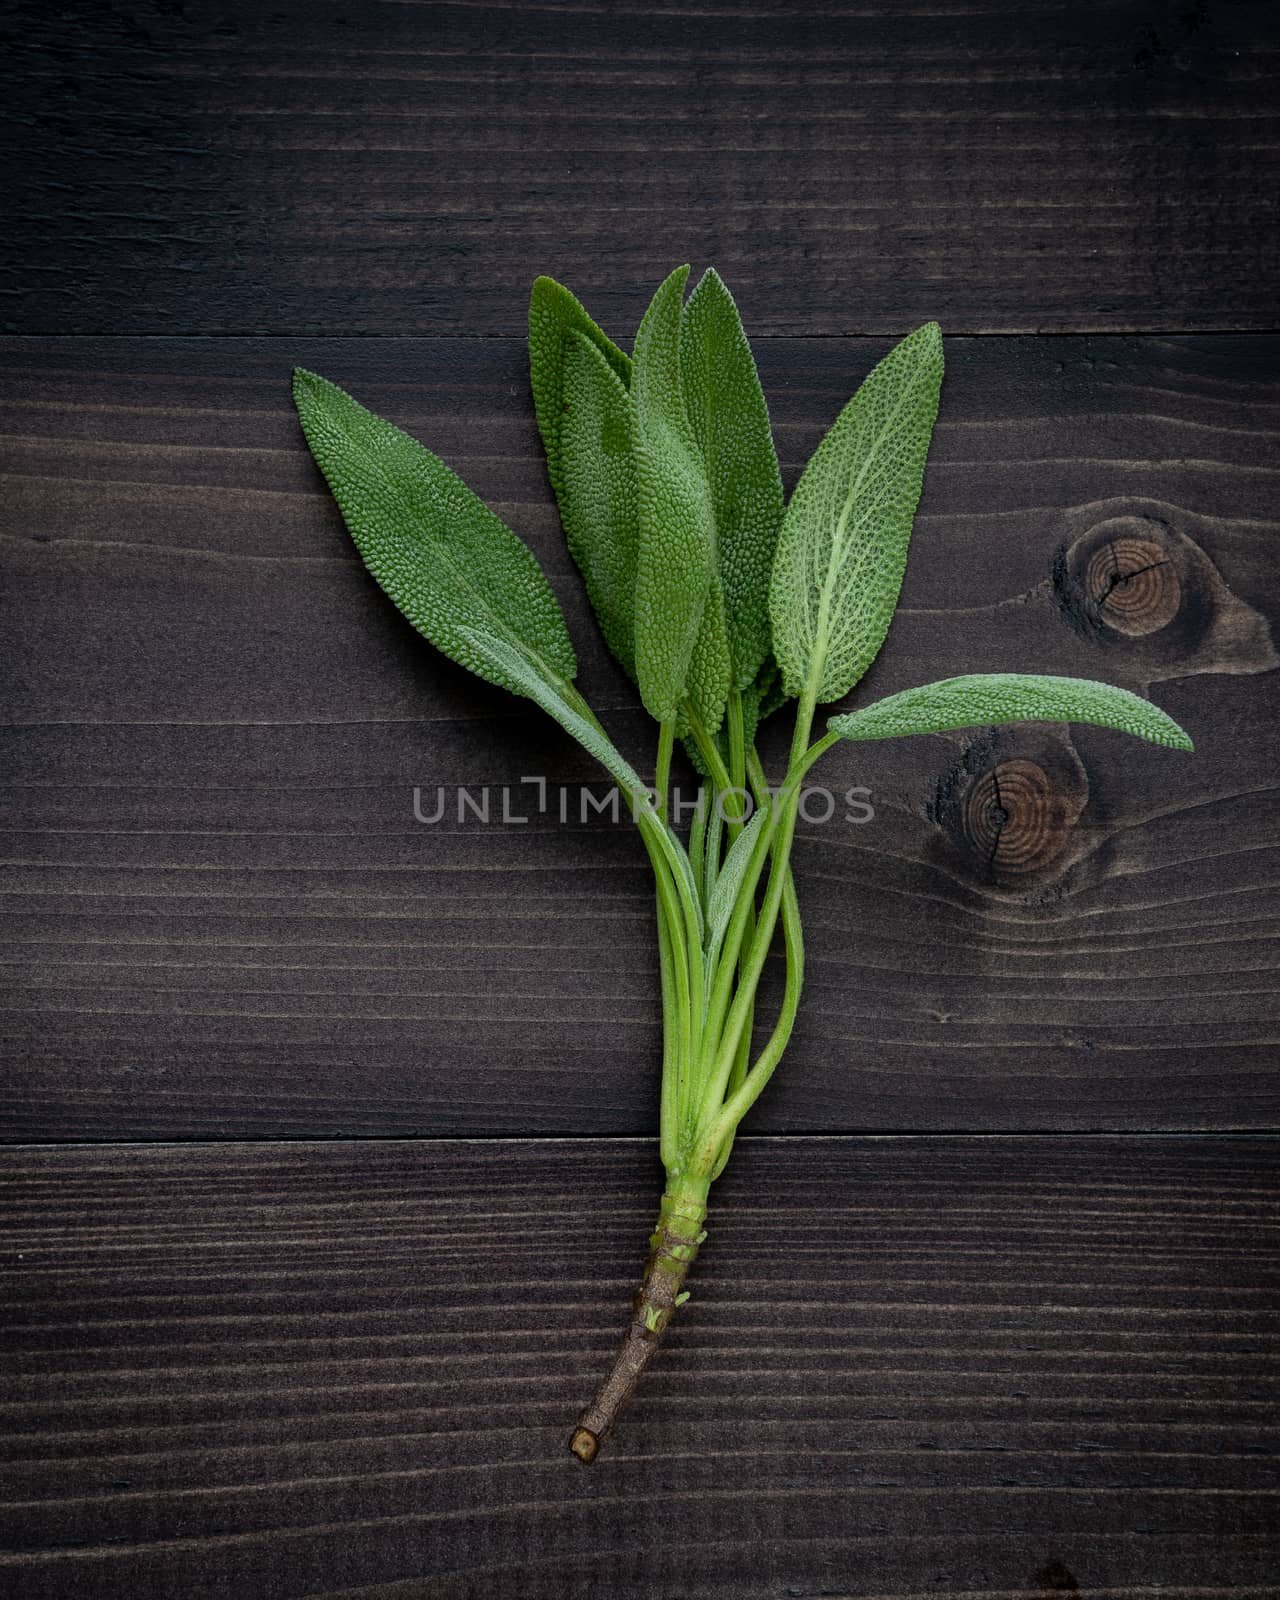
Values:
[(986, 699), (555, 316), (771, 695), (448, 563), (677, 526), (843, 546), (730, 423), (599, 496), (707, 685)]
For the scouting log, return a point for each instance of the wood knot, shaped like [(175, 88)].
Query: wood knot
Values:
[(1124, 577), (1015, 816), (1137, 582), (1132, 584), (1009, 809)]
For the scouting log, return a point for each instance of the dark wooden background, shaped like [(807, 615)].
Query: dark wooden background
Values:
[(330, 1156)]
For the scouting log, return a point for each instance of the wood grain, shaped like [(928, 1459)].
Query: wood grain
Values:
[(994, 1369), (909, 1367), (221, 917), (319, 166)]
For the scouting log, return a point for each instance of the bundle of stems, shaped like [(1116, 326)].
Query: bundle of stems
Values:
[(709, 1080), (723, 602)]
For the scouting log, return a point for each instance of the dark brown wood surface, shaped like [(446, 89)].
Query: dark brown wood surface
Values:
[(223, 918), (995, 1351), (910, 1367), (389, 168)]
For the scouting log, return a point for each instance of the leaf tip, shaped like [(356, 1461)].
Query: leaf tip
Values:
[(308, 386), (1172, 735), (676, 279), (930, 336), (712, 291), (544, 287)]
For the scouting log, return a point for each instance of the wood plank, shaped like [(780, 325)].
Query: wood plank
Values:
[(910, 1367), (317, 166), (221, 917)]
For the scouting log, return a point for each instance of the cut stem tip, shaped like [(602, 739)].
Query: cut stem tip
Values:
[(584, 1445)]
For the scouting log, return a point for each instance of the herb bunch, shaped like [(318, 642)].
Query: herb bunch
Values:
[(723, 602)]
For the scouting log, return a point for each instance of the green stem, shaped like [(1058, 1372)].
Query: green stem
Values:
[(730, 781), (698, 835), (818, 748), (793, 940), (735, 935), (737, 761), (800, 734), (738, 773), (674, 964), (677, 874), (679, 914), (662, 774), (711, 854), (743, 1096), (709, 753), (657, 836), (676, 1038), (713, 1092), (710, 1121), (668, 1117)]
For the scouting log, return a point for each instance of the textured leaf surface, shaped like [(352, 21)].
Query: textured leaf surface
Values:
[(843, 546), (984, 699), (555, 316), (771, 693), (599, 497), (710, 672), (437, 550), (677, 524), (730, 423)]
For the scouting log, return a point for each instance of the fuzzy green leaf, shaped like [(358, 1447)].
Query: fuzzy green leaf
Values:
[(843, 546), (985, 699), (707, 685), (750, 714), (599, 497), (555, 316), (437, 550), (730, 422), (677, 524), (771, 695)]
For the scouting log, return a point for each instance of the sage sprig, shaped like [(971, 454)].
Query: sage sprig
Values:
[(722, 605)]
